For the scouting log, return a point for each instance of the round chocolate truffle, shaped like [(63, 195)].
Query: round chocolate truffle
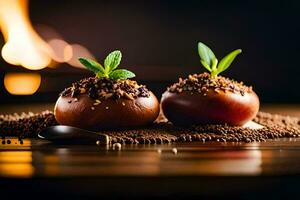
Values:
[(202, 99), (101, 104)]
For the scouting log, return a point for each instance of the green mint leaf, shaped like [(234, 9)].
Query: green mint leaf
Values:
[(227, 60), (205, 65), (206, 54), (92, 65), (121, 74), (112, 61)]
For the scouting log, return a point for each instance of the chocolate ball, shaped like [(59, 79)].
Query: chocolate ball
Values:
[(209, 105), (106, 113)]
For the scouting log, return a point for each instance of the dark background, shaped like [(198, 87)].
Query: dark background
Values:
[(158, 40)]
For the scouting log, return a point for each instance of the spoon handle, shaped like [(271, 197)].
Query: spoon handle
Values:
[(61, 133)]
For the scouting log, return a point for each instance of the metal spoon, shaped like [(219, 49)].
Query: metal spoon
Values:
[(61, 134)]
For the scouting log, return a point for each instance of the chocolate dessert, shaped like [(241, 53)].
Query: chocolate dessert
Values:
[(208, 98), (108, 101)]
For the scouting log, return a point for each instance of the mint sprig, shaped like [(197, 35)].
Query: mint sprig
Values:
[(111, 63), (210, 62)]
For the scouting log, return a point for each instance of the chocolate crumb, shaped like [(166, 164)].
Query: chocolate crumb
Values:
[(97, 88), (117, 146), (201, 83), (174, 150)]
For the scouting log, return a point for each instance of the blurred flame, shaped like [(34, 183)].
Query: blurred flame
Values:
[(26, 48), (23, 45), (79, 51), (22, 83)]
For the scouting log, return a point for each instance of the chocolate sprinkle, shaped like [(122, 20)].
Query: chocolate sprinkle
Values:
[(28, 125), (97, 88), (201, 83)]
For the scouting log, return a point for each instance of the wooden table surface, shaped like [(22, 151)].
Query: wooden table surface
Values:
[(207, 170), (36, 158)]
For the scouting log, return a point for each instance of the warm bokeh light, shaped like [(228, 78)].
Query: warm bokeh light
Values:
[(16, 164), (15, 156), (22, 83), (77, 52), (23, 45), (62, 50)]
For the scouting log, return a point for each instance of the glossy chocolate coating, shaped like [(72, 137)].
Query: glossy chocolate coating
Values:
[(213, 108), (109, 114)]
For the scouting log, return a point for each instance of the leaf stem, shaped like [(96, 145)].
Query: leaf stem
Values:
[(214, 73), (214, 64)]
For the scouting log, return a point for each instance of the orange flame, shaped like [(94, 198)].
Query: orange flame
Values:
[(23, 45)]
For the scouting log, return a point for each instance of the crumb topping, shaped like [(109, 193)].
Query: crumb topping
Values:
[(202, 83), (97, 88)]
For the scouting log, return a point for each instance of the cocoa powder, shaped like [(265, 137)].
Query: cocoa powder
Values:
[(28, 125)]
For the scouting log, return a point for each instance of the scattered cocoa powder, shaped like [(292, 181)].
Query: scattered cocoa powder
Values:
[(25, 125), (28, 125)]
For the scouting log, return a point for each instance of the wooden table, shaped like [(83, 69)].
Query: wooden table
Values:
[(198, 170)]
